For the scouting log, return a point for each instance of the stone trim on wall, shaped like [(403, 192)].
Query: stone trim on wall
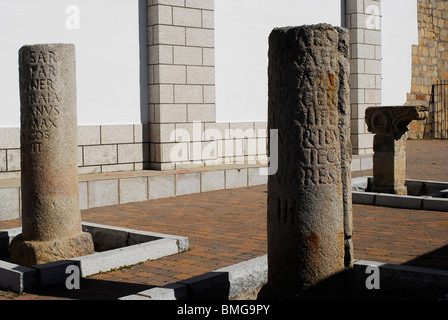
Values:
[(363, 19), (101, 149)]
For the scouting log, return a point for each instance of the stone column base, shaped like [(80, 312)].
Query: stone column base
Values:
[(29, 253)]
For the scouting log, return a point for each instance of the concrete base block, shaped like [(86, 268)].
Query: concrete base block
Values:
[(395, 201), (236, 178)]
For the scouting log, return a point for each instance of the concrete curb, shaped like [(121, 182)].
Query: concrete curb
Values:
[(119, 247), (233, 282), (242, 280), (435, 198)]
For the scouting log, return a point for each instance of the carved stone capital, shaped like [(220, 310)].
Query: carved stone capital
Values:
[(393, 119)]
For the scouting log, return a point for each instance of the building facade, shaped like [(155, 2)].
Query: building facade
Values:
[(175, 84)]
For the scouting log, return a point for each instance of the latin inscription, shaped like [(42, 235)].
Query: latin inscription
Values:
[(320, 149), (40, 101)]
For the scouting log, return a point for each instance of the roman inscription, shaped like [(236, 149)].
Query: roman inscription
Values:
[(40, 100), (51, 218), (308, 208)]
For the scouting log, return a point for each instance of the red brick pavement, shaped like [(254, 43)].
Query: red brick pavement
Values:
[(229, 226)]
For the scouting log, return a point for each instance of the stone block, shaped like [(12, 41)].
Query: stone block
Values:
[(162, 186), (246, 277), (236, 178), (255, 178), (188, 94), (160, 15), (188, 183), (208, 19), (189, 132), (170, 74), (103, 193), (363, 51), (171, 35), (54, 272), (133, 189), (200, 75), (89, 135), (372, 96), (163, 132), (201, 112), (3, 160), (171, 113), (200, 37), (209, 94), (212, 180), (178, 3), (372, 66), (83, 195), (97, 155), (250, 147), (398, 201), (13, 159), (200, 4), (111, 134), (172, 291), (9, 138), (89, 170), (208, 56), (132, 153), (9, 203), (200, 287), (188, 55), (141, 133), (117, 167), (367, 81), (15, 277), (187, 17), (172, 152), (354, 6), (437, 204), (372, 37), (367, 198), (160, 54)]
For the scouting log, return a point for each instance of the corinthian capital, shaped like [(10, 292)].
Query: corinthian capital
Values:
[(393, 119)]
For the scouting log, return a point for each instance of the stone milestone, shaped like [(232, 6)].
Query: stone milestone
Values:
[(390, 124), (51, 218), (309, 198)]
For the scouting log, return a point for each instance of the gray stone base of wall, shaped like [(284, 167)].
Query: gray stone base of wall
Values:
[(105, 189)]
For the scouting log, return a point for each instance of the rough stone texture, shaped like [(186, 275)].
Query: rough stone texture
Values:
[(390, 125), (309, 204), (429, 59), (50, 196)]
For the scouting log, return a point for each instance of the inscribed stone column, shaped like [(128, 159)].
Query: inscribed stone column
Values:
[(51, 217), (309, 205)]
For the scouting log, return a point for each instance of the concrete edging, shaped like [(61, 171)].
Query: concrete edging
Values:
[(139, 246), (359, 196)]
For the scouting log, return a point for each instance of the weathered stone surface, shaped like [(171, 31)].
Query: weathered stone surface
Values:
[(390, 125), (50, 196), (309, 204)]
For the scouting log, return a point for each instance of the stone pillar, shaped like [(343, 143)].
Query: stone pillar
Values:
[(363, 19), (390, 124), (181, 57), (309, 205), (51, 217)]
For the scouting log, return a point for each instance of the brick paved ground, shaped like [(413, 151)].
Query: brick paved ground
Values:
[(229, 226)]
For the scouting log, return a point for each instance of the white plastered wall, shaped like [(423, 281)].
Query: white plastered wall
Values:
[(106, 37), (242, 29), (399, 33)]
